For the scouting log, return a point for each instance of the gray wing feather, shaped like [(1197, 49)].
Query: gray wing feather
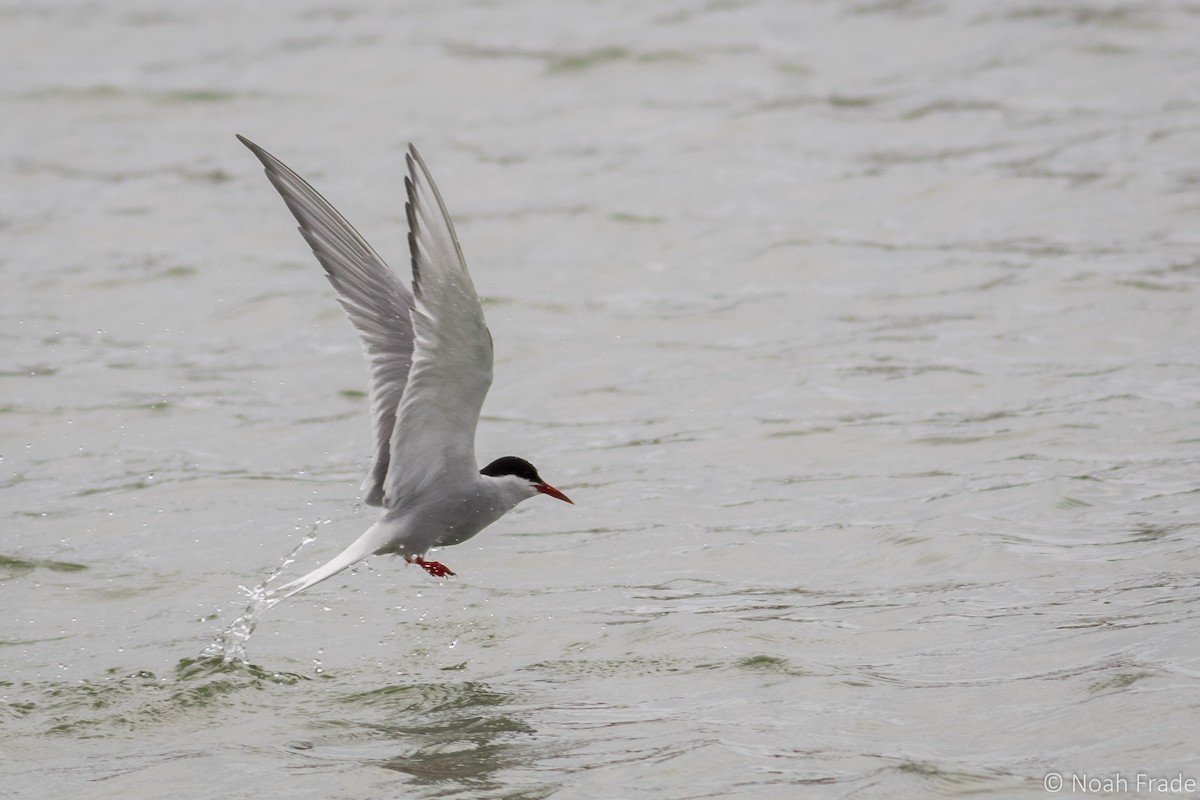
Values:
[(452, 355), (376, 300)]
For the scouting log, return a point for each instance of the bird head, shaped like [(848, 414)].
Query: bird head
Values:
[(521, 469)]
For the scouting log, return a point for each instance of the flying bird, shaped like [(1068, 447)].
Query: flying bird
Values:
[(429, 354)]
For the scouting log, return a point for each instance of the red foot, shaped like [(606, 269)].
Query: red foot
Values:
[(434, 568)]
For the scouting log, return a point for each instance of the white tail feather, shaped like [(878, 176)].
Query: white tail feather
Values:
[(362, 547)]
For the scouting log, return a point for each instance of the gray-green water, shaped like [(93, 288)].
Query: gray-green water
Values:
[(863, 334)]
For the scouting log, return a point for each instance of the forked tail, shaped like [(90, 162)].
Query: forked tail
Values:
[(362, 547), (230, 645)]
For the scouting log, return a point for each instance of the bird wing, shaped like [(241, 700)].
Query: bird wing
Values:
[(452, 354), (376, 300)]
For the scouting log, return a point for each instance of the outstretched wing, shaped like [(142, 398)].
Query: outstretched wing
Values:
[(452, 355), (376, 300)]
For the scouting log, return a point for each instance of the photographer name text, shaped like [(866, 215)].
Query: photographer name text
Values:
[(1117, 783)]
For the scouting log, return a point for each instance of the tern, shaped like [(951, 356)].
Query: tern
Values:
[(429, 354)]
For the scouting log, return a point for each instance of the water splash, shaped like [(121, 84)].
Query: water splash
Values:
[(230, 644)]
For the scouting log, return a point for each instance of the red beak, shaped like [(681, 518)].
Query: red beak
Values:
[(546, 488)]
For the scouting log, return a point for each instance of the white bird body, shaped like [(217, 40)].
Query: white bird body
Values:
[(429, 355)]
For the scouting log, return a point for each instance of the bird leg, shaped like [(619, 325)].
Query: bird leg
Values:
[(434, 568)]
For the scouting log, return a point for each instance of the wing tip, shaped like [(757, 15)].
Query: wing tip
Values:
[(254, 148), (270, 163), (416, 165), (410, 212)]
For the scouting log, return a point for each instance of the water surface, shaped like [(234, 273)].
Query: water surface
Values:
[(863, 335)]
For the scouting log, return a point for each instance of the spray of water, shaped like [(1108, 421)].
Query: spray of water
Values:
[(230, 644)]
